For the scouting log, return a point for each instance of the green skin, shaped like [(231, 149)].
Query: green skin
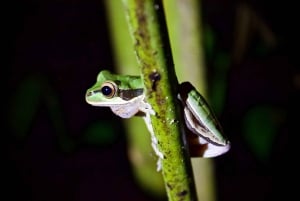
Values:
[(125, 96)]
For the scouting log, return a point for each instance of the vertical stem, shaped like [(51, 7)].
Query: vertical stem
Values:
[(138, 139), (148, 29)]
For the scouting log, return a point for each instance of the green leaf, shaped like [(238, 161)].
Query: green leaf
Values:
[(24, 104), (100, 133), (260, 129)]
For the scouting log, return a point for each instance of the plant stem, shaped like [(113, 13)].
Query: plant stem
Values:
[(148, 29), (143, 162)]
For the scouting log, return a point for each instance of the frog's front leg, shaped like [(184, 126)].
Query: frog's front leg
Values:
[(147, 110)]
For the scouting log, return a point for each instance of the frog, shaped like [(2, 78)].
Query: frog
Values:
[(125, 95)]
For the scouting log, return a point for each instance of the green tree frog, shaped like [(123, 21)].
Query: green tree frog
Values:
[(124, 94)]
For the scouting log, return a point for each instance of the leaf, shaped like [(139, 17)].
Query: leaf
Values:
[(260, 129)]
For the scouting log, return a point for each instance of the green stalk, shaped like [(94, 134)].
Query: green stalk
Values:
[(146, 22), (138, 139)]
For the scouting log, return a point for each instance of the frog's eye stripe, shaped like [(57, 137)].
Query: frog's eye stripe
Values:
[(130, 93), (109, 89)]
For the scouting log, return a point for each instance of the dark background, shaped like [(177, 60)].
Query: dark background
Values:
[(51, 152)]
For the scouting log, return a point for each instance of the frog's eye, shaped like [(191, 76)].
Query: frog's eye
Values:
[(109, 89)]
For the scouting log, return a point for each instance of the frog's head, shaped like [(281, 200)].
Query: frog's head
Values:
[(111, 89)]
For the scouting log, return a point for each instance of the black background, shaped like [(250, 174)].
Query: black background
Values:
[(67, 41)]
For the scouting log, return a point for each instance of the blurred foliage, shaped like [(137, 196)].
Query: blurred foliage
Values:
[(260, 128), (101, 133), (24, 105), (34, 93)]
